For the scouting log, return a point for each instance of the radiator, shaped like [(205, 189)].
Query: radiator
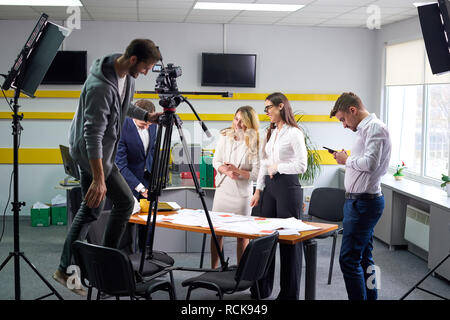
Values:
[(417, 227)]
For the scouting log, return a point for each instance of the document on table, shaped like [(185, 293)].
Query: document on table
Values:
[(236, 223)]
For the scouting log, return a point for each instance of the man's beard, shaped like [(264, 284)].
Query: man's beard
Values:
[(133, 71)]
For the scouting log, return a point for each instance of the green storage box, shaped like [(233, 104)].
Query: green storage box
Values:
[(59, 215), (40, 217), (206, 171)]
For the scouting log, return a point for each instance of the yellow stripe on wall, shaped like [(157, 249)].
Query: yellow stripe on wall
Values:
[(48, 94), (183, 116), (327, 158), (236, 96), (40, 115), (31, 156), (53, 156)]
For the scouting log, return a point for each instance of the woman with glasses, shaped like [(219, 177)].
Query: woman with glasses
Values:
[(284, 156), (236, 161)]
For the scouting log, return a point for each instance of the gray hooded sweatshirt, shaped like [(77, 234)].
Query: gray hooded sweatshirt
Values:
[(95, 129)]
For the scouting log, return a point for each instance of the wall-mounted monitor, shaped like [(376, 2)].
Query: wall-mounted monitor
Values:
[(228, 70), (68, 67)]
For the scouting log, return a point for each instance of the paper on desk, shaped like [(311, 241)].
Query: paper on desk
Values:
[(137, 206), (288, 232), (174, 205), (236, 223), (143, 217)]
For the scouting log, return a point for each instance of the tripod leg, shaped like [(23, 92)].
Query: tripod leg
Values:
[(158, 177), (200, 192), (203, 250), (424, 278), (40, 276), (6, 260)]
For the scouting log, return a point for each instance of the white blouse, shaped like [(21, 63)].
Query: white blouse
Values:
[(287, 149)]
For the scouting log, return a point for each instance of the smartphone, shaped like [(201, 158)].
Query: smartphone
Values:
[(330, 150)]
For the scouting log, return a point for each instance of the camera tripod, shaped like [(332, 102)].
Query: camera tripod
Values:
[(159, 174)]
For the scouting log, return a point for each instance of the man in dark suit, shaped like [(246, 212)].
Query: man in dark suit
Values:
[(135, 156), (135, 151)]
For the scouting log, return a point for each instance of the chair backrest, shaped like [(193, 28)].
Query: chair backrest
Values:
[(107, 269), (327, 204), (256, 258)]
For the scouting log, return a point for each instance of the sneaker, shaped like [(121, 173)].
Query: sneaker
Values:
[(62, 278)]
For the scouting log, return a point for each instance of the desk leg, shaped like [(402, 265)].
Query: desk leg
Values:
[(310, 247)]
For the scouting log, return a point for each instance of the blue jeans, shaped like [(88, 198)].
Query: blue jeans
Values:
[(356, 261)]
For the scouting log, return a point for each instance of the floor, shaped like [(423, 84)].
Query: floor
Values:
[(399, 269)]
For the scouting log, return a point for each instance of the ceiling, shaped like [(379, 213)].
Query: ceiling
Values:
[(323, 13)]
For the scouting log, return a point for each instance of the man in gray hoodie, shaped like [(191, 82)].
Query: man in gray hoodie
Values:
[(104, 103)]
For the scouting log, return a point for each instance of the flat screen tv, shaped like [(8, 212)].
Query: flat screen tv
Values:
[(228, 70), (68, 67)]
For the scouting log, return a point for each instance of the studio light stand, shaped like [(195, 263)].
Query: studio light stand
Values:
[(170, 98), (25, 75)]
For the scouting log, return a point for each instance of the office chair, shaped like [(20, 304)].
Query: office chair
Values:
[(258, 255), (110, 271), (160, 259), (328, 204)]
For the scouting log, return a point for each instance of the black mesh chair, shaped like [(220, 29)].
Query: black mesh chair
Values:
[(159, 262), (253, 265), (110, 272), (327, 204)]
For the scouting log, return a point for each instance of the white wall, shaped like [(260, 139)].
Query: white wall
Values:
[(289, 59)]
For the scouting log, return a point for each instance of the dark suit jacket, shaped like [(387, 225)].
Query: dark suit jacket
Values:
[(131, 158)]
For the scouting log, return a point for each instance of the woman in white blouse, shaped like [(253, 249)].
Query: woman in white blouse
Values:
[(284, 156), (236, 161)]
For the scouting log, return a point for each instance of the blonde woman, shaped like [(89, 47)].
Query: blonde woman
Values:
[(236, 161)]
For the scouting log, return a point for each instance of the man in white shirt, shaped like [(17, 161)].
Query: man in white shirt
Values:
[(135, 151), (364, 204), (135, 155)]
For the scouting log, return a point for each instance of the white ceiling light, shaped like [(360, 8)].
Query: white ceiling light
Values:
[(46, 3), (247, 6)]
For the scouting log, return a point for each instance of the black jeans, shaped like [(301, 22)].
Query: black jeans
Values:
[(122, 200), (283, 198)]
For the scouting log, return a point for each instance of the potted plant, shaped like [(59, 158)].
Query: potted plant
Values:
[(313, 169), (398, 175), (446, 183)]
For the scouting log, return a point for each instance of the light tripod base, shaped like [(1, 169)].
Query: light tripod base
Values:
[(17, 256)]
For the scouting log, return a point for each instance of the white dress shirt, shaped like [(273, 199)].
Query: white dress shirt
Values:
[(369, 159), (287, 149), (145, 138)]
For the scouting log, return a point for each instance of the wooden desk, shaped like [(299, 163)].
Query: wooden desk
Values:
[(306, 237)]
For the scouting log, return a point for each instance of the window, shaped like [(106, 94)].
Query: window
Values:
[(417, 107), (405, 124), (437, 154)]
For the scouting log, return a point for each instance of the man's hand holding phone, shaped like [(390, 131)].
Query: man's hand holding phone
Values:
[(340, 156)]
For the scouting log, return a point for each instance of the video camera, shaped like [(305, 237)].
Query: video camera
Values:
[(166, 85)]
